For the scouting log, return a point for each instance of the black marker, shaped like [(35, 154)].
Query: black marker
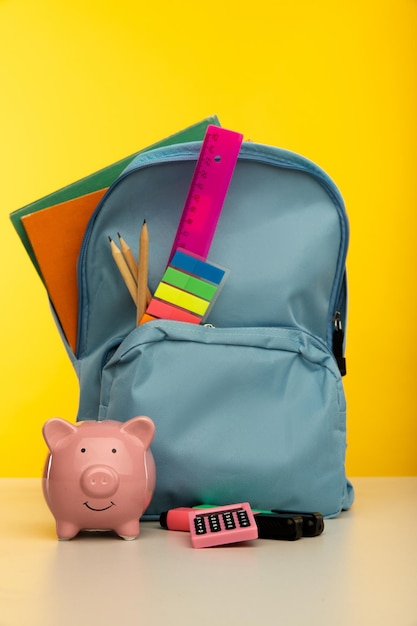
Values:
[(313, 523), (276, 526)]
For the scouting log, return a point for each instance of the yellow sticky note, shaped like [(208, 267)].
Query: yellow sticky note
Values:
[(181, 298)]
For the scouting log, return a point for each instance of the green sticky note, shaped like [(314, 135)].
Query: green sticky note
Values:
[(189, 283)]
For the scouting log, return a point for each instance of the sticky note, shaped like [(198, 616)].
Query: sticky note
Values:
[(194, 265), (187, 290), (181, 298), (193, 285), (164, 310)]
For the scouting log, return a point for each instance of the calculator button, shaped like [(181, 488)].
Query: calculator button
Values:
[(214, 522), (200, 525), (243, 519), (228, 521)]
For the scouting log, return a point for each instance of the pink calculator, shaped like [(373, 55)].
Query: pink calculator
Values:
[(222, 525)]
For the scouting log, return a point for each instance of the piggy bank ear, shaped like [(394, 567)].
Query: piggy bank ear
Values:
[(141, 427), (56, 429)]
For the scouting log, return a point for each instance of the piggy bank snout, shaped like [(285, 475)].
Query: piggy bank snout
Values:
[(99, 481)]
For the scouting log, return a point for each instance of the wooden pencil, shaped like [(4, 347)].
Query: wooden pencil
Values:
[(123, 269), (142, 273), (133, 266), (129, 257)]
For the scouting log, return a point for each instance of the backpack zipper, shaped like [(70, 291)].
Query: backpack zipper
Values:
[(338, 342)]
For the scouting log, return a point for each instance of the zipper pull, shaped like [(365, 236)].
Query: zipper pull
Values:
[(338, 338)]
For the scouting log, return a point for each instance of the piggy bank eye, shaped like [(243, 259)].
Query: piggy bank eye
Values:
[(83, 450), (114, 450)]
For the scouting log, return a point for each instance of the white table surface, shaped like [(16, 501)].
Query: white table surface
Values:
[(361, 571)]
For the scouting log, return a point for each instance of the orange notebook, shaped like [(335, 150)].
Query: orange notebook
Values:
[(55, 234)]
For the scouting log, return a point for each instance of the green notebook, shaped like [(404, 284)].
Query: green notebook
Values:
[(100, 180)]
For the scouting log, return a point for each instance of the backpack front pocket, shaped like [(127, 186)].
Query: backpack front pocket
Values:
[(243, 414)]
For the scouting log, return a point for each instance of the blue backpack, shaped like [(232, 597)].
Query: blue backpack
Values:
[(249, 406)]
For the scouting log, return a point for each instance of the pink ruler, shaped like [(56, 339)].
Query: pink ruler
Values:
[(208, 189)]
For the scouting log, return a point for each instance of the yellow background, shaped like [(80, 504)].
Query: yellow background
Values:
[(87, 82)]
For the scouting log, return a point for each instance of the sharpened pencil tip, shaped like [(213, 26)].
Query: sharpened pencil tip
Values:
[(110, 239)]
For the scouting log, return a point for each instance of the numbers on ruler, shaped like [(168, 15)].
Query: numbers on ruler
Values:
[(208, 185), (199, 186), (213, 135)]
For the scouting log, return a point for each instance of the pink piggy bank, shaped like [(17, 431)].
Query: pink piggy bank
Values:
[(99, 475)]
